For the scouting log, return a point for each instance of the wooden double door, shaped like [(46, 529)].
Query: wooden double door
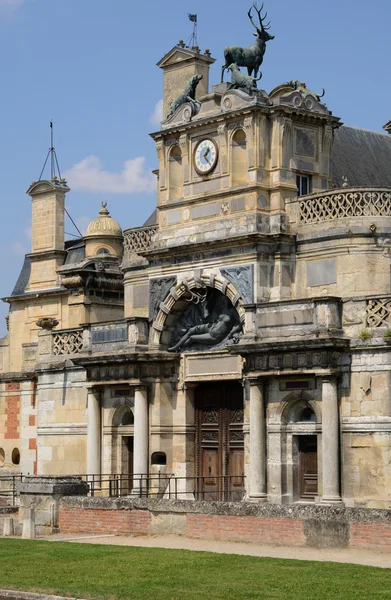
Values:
[(219, 442)]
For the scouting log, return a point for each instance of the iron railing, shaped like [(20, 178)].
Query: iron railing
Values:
[(9, 494), (207, 488)]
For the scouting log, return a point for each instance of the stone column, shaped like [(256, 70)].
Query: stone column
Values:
[(330, 442), (257, 473), (141, 436), (93, 432)]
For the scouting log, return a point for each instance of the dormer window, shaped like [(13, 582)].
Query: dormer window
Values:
[(304, 185)]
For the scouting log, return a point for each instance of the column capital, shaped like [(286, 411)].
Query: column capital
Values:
[(254, 380), (139, 387), (93, 389)]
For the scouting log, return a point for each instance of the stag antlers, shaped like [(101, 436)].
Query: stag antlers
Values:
[(261, 19)]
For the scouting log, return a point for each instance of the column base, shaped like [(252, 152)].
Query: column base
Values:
[(334, 501), (256, 498)]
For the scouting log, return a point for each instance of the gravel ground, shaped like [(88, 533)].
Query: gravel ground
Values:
[(353, 556)]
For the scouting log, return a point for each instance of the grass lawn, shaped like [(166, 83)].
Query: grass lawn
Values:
[(92, 571)]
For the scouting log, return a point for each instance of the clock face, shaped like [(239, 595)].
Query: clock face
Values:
[(205, 156)]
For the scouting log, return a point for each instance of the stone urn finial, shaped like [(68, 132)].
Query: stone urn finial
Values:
[(47, 323)]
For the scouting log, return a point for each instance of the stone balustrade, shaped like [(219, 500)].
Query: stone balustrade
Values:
[(344, 203), (138, 240), (102, 337), (67, 342), (378, 311)]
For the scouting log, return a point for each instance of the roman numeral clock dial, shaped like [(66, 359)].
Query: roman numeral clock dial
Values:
[(206, 155)]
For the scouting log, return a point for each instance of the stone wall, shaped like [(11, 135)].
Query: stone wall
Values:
[(313, 526)]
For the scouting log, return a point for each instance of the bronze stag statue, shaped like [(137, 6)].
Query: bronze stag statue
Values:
[(251, 57)]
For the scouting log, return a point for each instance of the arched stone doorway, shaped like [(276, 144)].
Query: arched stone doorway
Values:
[(300, 429), (122, 449)]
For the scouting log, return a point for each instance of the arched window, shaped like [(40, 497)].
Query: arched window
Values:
[(239, 158), (103, 251), (15, 457), (2, 457), (175, 174)]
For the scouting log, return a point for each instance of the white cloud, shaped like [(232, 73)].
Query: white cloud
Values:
[(12, 3), (8, 7), (89, 175), (157, 115)]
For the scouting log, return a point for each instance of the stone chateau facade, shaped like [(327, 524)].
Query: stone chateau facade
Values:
[(237, 345)]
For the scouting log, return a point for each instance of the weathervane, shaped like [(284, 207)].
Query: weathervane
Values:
[(54, 166), (193, 42)]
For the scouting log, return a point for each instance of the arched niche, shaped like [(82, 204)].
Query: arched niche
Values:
[(123, 416), (239, 162), (299, 409), (197, 302), (175, 173)]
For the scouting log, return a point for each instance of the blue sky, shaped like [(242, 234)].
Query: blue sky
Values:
[(90, 65)]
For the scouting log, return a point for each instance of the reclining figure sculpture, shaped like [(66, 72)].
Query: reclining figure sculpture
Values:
[(209, 334)]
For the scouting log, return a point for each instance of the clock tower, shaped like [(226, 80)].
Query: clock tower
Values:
[(228, 173)]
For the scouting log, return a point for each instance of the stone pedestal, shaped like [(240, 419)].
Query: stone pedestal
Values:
[(257, 472), (8, 529), (93, 432), (28, 530), (330, 442), (141, 433), (39, 502)]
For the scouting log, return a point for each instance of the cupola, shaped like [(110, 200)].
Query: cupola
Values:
[(104, 235)]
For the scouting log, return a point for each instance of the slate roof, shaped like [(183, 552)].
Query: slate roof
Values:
[(76, 252), (363, 156), (23, 278), (152, 220)]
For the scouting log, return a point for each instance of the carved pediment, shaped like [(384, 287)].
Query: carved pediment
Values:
[(44, 187), (179, 54)]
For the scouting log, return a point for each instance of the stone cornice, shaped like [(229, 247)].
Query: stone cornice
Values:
[(225, 117)]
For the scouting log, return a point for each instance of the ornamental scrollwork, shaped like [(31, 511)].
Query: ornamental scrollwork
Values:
[(345, 204), (69, 342), (378, 312)]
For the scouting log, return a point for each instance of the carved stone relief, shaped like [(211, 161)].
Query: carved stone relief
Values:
[(242, 277), (158, 290), (209, 320)]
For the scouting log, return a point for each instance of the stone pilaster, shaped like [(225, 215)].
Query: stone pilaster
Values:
[(330, 442)]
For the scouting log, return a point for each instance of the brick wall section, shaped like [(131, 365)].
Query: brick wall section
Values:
[(375, 536), (277, 532), (295, 525), (120, 522), (12, 412)]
